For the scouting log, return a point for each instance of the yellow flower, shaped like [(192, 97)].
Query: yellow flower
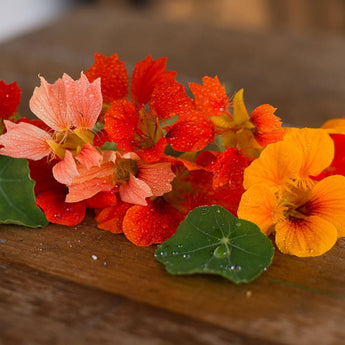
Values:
[(306, 216)]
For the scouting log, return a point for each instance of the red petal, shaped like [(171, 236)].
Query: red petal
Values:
[(191, 134), (111, 218), (113, 74), (170, 99), (210, 97), (229, 169), (9, 99), (155, 153), (146, 75), (338, 165), (121, 122), (58, 211), (154, 223), (102, 200)]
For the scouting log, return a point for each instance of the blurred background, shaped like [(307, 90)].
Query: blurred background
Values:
[(289, 53), (297, 16)]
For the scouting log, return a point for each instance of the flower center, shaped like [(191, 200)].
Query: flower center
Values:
[(124, 168)]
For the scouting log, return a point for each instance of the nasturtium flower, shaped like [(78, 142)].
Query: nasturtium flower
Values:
[(135, 179), (9, 99), (282, 196), (70, 109)]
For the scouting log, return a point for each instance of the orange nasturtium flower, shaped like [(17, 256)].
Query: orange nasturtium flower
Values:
[(307, 216)]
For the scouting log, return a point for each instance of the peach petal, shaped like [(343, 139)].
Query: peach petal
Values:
[(65, 170), (84, 100), (157, 176), (24, 140), (48, 103), (89, 156), (135, 191)]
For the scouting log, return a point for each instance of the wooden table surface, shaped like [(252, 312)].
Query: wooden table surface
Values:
[(53, 291)]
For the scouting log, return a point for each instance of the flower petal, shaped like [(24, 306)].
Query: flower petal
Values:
[(277, 164), (210, 97), (259, 205), (89, 156), (9, 99), (154, 223), (24, 140), (316, 147), (58, 211), (146, 75), (311, 236), (327, 200), (157, 176), (48, 103), (111, 218), (84, 100), (135, 191), (170, 99), (65, 170), (113, 74)]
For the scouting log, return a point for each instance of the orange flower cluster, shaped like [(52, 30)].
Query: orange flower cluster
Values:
[(142, 152)]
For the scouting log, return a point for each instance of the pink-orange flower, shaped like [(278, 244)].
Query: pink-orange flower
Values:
[(70, 109), (135, 179)]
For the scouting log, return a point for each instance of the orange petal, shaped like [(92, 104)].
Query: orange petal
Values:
[(135, 191), (121, 122), (335, 126), (113, 74), (89, 156), (327, 200), (316, 147), (24, 140), (311, 236), (84, 100), (210, 97), (65, 170), (277, 164), (146, 75), (154, 223), (91, 181), (157, 176), (170, 99), (192, 134), (111, 218), (259, 205), (48, 103)]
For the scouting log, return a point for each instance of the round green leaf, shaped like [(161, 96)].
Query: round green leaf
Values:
[(17, 198), (211, 240)]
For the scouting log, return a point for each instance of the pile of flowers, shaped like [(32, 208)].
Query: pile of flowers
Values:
[(142, 153)]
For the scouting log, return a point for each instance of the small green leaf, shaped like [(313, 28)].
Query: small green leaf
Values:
[(17, 198), (211, 240)]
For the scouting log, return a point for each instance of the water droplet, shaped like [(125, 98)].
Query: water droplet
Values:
[(174, 253), (186, 256), (235, 268), (222, 251), (238, 224), (94, 257), (218, 211), (180, 245)]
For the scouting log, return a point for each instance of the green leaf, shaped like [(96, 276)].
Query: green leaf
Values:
[(17, 198), (211, 240)]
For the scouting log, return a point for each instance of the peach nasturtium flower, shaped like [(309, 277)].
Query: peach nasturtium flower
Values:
[(70, 109), (307, 216)]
